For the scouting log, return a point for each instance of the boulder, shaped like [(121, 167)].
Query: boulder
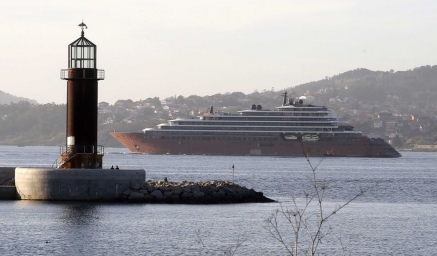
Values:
[(144, 191), (149, 199), (216, 195), (177, 190), (186, 195), (228, 190), (168, 194), (197, 194), (175, 199), (165, 188), (157, 194)]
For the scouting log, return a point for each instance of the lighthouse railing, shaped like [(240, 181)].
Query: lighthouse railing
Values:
[(83, 149), (69, 152), (82, 73)]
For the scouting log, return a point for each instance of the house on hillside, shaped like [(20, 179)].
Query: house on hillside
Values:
[(103, 107)]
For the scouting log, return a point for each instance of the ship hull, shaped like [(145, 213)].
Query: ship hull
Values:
[(278, 146)]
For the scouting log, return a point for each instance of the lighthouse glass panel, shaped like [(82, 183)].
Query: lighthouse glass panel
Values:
[(82, 54)]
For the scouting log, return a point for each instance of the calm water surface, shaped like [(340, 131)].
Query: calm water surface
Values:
[(397, 217)]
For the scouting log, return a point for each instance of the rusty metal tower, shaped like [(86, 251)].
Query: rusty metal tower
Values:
[(81, 149)]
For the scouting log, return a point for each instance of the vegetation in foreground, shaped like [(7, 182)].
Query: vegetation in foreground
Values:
[(302, 227)]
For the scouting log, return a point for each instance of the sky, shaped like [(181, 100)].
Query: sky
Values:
[(193, 47)]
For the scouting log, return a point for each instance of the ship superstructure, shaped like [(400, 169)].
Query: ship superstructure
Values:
[(295, 128)]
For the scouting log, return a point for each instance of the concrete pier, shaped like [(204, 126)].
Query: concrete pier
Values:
[(76, 184)]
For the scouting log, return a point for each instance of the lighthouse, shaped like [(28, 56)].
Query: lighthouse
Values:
[(76, 178), (81, 149)]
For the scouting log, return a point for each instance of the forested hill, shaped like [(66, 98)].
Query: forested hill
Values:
[(416, 88), (6, 98), (352, 95)]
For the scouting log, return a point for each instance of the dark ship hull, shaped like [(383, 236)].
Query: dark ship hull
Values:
[(274, 146)]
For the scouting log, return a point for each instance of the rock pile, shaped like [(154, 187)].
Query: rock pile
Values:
[(187, 192)]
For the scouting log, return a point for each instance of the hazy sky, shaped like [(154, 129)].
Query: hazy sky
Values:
[(166, 48)]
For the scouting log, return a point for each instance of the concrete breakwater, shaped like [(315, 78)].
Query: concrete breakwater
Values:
[(117, 185), (188, 192)]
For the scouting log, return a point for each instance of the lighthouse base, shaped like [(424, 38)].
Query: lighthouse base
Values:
[(76, 184)]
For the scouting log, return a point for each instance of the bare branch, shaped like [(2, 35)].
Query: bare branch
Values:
[(226, 250), (303, 221)]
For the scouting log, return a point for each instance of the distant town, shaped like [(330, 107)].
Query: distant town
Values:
[(397, 106), (406, 131)]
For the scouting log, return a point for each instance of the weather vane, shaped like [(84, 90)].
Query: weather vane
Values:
[(82, 25)]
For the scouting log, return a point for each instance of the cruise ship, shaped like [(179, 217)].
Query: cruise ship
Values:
[(296, 128)]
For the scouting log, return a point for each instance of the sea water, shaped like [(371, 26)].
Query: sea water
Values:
[(396, 216)]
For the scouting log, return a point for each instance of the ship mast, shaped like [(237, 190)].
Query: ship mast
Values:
[(284, 103)]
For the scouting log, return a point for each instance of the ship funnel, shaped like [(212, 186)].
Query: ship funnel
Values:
[(211, 110)]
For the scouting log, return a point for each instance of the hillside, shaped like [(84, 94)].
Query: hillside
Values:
[(413, 90), (357, 95), (6, 98)]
